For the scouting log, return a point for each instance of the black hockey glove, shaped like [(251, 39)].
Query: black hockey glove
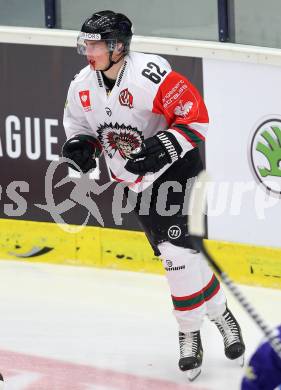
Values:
[(155, 152), (83, 150)]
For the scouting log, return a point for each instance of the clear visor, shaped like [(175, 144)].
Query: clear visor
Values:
[(92, 44)]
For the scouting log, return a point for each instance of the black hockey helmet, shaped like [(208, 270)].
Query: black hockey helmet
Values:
[(106, 26)]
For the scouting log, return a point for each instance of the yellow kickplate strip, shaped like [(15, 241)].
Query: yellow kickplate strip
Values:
[(248, 264), (127, 250)]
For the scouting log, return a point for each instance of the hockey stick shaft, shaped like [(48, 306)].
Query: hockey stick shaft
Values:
[(197, 232)]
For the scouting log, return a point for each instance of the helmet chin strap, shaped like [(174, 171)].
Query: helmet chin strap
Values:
[(111, 62)]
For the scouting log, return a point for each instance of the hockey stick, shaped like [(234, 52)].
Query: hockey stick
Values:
[(196, 210)]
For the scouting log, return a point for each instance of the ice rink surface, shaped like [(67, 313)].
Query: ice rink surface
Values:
[(74, 328)]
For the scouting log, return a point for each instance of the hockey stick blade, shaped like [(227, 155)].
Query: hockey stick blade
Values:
[(197, 231)]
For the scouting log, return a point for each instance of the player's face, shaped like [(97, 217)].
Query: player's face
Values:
[(99, 51), (97, 54)]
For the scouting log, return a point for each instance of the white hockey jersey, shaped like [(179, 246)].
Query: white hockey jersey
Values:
[(148, 97)]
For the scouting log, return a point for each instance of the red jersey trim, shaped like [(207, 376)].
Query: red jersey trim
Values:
[(114, 177)]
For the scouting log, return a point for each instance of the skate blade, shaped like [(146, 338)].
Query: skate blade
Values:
[(240, 360), (193, 374)]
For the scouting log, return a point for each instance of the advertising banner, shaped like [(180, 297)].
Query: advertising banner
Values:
[(243, 151)]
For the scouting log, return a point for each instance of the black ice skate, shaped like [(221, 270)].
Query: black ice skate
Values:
[(191, 354), (229, 328)]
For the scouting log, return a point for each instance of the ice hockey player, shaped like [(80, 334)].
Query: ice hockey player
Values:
[(149, 121), (264, 369)]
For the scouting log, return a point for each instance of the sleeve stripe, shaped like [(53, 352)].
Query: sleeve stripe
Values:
[(201, 127), (191, 134), (183, 133), (199, 135), (190, 130)]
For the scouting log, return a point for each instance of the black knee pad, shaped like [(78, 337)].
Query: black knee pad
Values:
[(173, 230)]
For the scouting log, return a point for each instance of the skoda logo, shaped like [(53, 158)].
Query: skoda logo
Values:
[(174, 232), (265, 154)]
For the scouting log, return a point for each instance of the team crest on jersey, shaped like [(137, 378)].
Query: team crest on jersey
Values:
[(183, 109), (85, 100), (115, 137), (126, 98)]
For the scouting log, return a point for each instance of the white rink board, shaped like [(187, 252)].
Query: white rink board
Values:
[(238, 96), (156, 45)]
